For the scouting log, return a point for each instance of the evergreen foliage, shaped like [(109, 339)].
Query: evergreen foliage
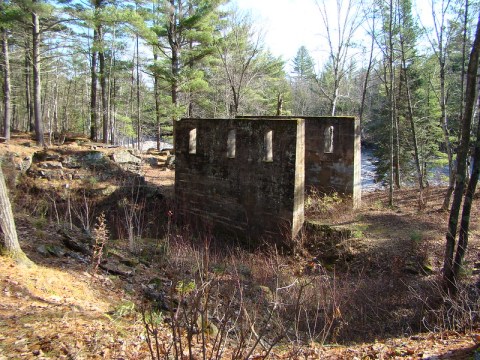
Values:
[(204, 58)]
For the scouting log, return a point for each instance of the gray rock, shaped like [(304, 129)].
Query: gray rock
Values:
[(42, 250), (92, 157), (55, 250), (118, 269), (78, 257), (71, 162), (51, 165), (52, 174), (125, 157)]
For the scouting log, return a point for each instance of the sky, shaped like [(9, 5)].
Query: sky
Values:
[(287, 24)]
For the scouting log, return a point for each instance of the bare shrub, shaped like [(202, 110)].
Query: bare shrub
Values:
[(100, 237), (134, 217), (208, 317), (445, 312), (83, 210), (244, 303)]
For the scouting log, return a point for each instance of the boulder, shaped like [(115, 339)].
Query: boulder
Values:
[(47, 250), (92, 157), (125, 157)]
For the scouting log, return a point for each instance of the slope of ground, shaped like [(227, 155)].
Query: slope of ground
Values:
[(380, 283)]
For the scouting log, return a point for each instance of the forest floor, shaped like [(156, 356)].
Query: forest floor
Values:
[(62, 308)]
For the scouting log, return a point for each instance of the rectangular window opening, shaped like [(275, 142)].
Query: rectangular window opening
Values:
[(268, 146), (328, 140), (231, 144), (192, 143)]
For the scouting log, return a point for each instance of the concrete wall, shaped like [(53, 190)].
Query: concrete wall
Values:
[(246, 195), (333, 169), (337, 169)]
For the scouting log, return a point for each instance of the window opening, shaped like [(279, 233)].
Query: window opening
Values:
[(231, 144), (328, 140), (192, 143), (268, 144)]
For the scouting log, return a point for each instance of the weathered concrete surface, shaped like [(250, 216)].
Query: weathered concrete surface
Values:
[(334, 168), (245, 195), (339, 170)]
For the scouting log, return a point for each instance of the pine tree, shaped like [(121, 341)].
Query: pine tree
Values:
[(303, 79), (303, 65), (184, 37)]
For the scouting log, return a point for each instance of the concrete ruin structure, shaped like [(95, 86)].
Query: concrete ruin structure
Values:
[(247, 177)]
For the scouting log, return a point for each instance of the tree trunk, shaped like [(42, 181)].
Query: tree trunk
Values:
[(113, 101), (93, 91), (37, 90), (55, 130), (103, 85), (157, 105), (175, 74), (30, 126), (444, 123), (175, 48), (65, 123), (450, 275), (464, 54), (279, 104), (367, 74), (391, 103), (467, 207), (137, 69), (398, 182), (421, 182), (6, 86), (421, 200), (7, 225)]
